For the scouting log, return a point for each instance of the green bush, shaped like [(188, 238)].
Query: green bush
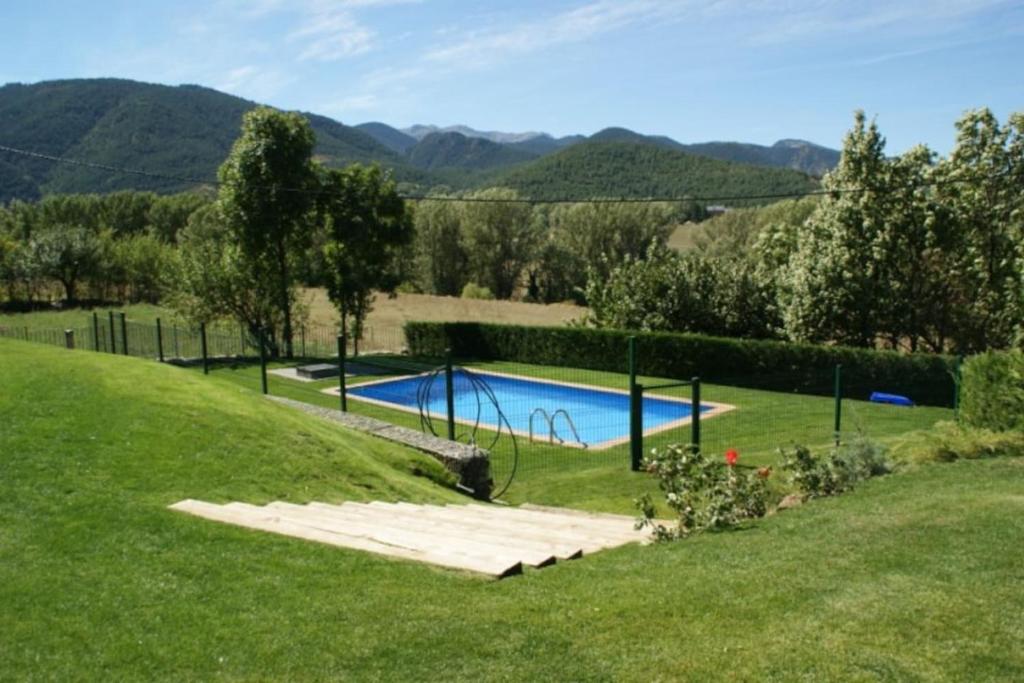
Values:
[(756, 364), (474, 291), (837, 472), (992, 391)]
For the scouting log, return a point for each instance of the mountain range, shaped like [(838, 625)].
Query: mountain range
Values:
[(186, 131)]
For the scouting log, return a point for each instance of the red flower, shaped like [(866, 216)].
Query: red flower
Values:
[(731, 456)]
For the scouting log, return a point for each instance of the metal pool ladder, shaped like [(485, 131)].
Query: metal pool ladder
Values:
[(550, 420)]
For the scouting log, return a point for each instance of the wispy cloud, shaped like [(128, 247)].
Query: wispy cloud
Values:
[(483, 47), (352, 103), (253, 81)]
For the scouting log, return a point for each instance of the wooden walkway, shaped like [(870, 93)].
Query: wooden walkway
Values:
[(497, 541)]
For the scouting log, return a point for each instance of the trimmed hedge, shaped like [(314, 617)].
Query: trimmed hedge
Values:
[(992, 391), (757, 364)]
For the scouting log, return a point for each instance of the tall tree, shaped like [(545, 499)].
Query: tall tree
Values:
[(266, 196), (500, 237), (366, 224), (441, 259)]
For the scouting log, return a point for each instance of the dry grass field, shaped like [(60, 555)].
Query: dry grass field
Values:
[(394, 312)]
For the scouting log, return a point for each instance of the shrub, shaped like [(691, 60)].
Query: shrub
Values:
[(837, 472), (703, 494), (756, 364), (474, 291), (992, 391)]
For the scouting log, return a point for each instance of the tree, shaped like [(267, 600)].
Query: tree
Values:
[(595, 238), (266, 196), (837, 278), (441, 259), (500, 237), (66, 253), (366, 224), (213, 278), (980, 185)]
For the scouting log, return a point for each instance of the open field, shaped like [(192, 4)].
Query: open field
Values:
[(912, 576), (387, 313)]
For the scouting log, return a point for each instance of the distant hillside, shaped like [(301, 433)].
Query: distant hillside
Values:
[(545, 144), (182, 131), (392, 138), (796, 154), (454, 150), (420, 131), (629, 169)]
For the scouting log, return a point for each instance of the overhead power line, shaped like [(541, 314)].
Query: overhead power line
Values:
[(447, 198)]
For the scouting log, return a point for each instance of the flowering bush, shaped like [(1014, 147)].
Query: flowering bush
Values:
[(703, 494)]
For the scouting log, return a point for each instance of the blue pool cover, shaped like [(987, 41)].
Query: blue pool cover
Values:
[(600, 416)]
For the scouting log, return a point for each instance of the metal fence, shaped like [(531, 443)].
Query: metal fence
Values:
[(544, 425)]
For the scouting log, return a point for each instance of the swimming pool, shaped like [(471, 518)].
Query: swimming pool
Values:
[(600, 416)]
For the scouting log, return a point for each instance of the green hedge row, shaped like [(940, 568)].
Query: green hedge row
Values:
[(778, 366), (992, 391)]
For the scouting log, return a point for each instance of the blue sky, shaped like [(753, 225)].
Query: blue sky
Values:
[(750, 70)]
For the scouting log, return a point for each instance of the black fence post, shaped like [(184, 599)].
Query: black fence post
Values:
[(342, 390), (839, 402), (124, 335), (449, 386), (636, 426), (113, 343), (263, 360), (69, 339), (159, 341), (695, 417), (202, 343), (95, 331), (636, 416)]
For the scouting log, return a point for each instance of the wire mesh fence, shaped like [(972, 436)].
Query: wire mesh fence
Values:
[(540, 423)]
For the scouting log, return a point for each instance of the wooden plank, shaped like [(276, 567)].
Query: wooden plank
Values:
[(349, 516), (586, 514), (355, 526), (264, 521), (597, 529), (413, 518), (608, 528), (587, 540)]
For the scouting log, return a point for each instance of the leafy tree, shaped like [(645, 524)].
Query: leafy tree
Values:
[(213, 278), (366, 224), (595, 238), (980, 184), (66, 253), (266, 197), (500, 238), (441, 260)]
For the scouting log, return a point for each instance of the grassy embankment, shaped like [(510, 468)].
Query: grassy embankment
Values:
[(915, 575)]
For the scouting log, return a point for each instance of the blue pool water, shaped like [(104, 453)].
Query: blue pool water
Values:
[(599, 416)]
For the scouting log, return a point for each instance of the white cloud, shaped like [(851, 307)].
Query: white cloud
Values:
[(254, 82), (351, 103)]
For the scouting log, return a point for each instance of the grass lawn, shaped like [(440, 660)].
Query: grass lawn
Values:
[(913, 576), (761, 422)]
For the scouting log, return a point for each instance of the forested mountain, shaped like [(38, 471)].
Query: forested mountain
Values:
[(183, 131), (454, 150), (186, 132), (796, 154), (392, 138), (628, 169)]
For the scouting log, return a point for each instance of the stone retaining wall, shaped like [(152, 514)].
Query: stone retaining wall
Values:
[(471, 465)]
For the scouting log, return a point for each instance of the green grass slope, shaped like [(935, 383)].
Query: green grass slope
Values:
[(913, 576)]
